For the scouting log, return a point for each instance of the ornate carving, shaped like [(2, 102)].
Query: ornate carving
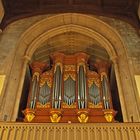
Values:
[(69, 74), (69, 71), (109, 115), (29, 114), (65, 105), (91, 105), (93, 80), (69, 67), (70, 98), (93, 77), (46, 77), (55, 116), (103, 74), (36, 74), (39, 105), (83, 116)]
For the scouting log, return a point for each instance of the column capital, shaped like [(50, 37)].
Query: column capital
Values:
[(114, 59), (26, 58)]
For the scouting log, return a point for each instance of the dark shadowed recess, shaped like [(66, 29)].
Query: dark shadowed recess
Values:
[(122, 9)]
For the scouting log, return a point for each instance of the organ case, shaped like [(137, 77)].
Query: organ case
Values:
[(69, 91)]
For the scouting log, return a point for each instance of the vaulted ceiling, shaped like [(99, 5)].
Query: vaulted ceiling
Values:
[(70, 43), (123, 9)]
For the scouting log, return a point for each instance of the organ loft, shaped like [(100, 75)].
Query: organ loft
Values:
[(69, 69), (69, 90)]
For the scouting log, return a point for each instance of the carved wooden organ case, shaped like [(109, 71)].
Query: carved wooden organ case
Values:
[(69, 91)]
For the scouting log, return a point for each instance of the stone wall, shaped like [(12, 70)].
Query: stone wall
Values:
[(131, 40)]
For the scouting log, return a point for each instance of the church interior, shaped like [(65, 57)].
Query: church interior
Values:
[(69, 69)]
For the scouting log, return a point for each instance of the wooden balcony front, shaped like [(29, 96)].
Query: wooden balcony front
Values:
[(69, 131)]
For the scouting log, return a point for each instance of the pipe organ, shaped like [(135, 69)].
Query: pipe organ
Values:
[(69, 91)]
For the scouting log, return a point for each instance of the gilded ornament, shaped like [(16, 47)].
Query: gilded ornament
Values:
[(42, 82), (102, 75), (83, 118), (36, 74), (91, 105), (39, 105), (108, 116), (93, 81), (68, 74), (30, 117), (65, 105), (90, 82), (46, 77), (55, 116), (49, 83), (93, 77), (69, 67), (29, 114)]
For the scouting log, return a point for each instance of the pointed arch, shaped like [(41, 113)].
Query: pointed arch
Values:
[(37, 34)]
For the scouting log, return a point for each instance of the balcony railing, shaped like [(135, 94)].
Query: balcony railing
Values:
[(69, 131)]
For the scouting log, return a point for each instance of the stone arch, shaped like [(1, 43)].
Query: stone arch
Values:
[(70, 28), (34, 36)]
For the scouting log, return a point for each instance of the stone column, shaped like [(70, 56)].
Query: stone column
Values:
[(119, 84), (26, 60)]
